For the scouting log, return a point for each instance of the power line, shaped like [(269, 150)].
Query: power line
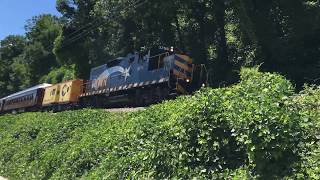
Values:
[(87, 25), (74, 36), (95, 26), (81, 28)]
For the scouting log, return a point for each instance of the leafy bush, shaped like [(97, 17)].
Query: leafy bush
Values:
[(308, 104), (257, 129), (61, 74), (44, 145)]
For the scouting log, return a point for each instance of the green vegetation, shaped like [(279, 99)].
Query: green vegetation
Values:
[(61, 74), (256, 129), (281, 36), (259, 128)]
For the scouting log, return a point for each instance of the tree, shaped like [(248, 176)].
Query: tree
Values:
[(285, 34), (41, 33), (11, 48), (76, 40), (281, 36)]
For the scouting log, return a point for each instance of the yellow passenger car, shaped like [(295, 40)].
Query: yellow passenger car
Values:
[(63, 93)]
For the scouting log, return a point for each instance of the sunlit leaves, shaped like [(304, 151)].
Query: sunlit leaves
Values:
[(253, 130)]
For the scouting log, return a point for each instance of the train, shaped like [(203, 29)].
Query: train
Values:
[(139, 79)]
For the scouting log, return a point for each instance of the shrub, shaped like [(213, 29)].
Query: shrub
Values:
[(61, 74), (44, 145), (307, 103), (257, 129)]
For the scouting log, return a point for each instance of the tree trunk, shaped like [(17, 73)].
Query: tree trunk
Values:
[(178, 29), (223, 68)]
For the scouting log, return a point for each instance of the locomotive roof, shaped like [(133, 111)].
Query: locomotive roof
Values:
[(44, 85)]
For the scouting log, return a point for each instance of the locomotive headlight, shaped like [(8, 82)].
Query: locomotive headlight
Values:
[(188, 80), (203, 85)]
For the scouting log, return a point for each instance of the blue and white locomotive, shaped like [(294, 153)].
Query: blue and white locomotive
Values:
[(143, 78)]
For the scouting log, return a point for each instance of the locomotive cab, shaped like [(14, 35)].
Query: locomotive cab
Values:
[(185, 76)]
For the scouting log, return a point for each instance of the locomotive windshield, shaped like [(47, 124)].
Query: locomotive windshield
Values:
[(95, 72), (156, 60), (114, 62)]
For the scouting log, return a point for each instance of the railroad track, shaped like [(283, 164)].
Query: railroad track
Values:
[(124, 110)]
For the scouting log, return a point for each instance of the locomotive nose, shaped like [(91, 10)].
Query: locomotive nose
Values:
[(183, 67), (188, 76), (182, 73)]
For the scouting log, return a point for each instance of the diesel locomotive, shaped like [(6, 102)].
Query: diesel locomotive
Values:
[(138, 79)]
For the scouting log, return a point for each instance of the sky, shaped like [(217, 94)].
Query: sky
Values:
[(15, 13)]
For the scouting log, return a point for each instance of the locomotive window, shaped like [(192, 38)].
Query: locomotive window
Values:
[(113, 63), (156, 62), (131, 60), (161, 59)]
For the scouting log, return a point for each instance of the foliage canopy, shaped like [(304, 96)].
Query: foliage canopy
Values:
[(281, 36)]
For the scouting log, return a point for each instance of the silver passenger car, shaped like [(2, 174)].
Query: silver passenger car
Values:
[(25, 99)]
